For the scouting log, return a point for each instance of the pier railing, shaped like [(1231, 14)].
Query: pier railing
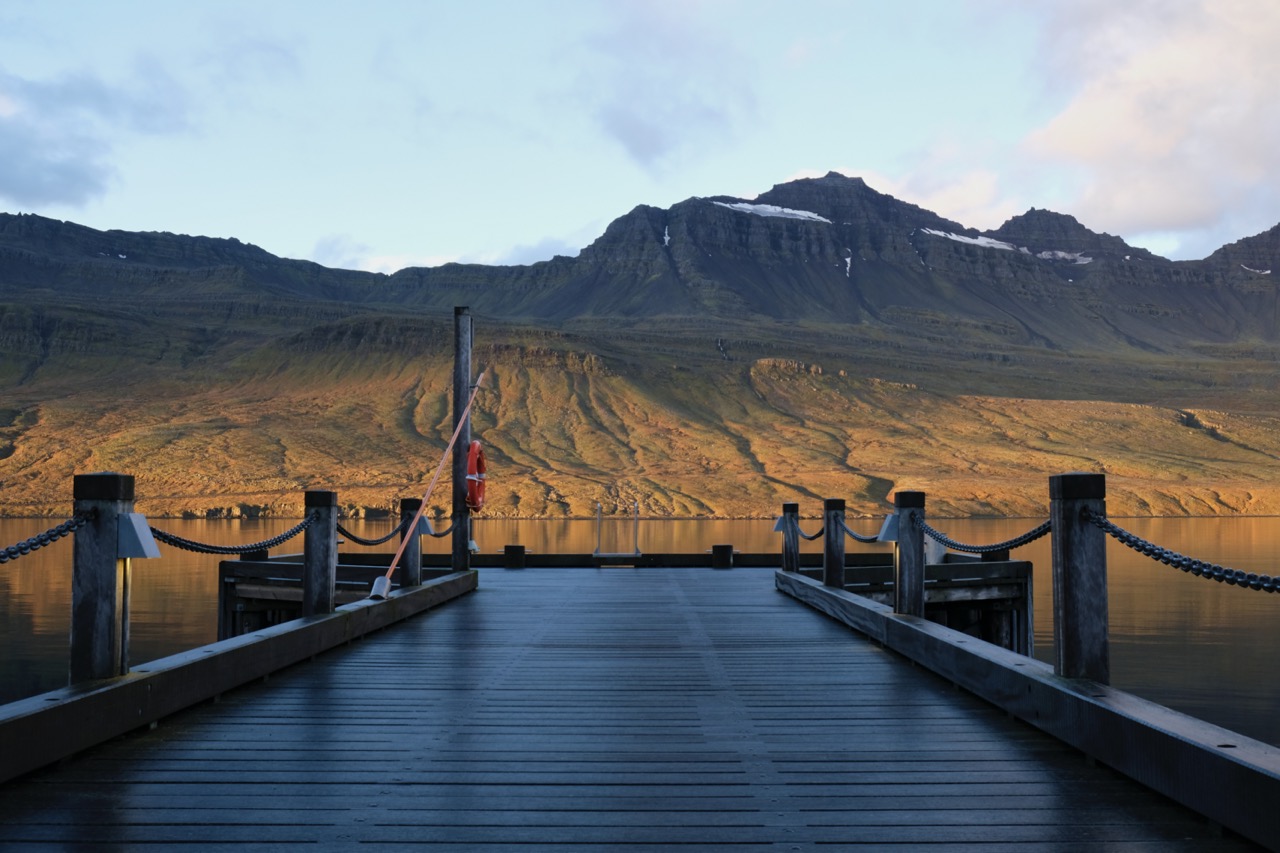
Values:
[(107, 697), (109, 535), (1232, 779), (1079, 527)]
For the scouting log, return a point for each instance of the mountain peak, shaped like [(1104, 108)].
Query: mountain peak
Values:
[(1259, 254), (1043, 230), (851, 201)]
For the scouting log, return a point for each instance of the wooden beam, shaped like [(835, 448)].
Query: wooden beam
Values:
[(1231, 779), (51, 726)]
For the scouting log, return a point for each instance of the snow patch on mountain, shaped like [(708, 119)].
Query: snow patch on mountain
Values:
[(991, 243), (773, 210)]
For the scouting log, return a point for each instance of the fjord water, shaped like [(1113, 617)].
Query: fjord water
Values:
[(1197, 646)]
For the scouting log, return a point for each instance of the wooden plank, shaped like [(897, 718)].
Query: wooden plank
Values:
[(1219, 773), (604, 709), (52, 726)]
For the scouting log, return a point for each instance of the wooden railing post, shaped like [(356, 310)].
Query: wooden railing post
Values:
[(908, 555), (411, 560), (833, 542), (1079, 577), (100, 579), (320, 554), (790, 524)]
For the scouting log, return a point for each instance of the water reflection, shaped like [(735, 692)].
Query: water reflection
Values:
[(1201, 647)]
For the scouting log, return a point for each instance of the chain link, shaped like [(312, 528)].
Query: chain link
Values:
[(1234, 577), (399, 528), (865, 540), (50, 536), (947, 542), (201, 548)]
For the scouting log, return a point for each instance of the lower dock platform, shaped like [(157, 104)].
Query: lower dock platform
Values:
[(637, 709)]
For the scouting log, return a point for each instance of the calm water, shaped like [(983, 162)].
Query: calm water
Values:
[(1201, 647)]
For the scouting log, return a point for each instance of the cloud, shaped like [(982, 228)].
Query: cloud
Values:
[(57, 136), (1170, 125), (665, 82)]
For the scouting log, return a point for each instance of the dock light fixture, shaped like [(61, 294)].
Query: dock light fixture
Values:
[(133, 537)]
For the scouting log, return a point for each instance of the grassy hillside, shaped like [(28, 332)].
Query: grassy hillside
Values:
[(690, 418), (701, 360)]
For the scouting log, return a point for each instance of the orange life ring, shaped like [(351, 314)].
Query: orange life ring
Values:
[(475, 476)]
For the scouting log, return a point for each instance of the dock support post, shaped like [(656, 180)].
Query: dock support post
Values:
[(790, 537), (461, 393), (908, 555), (411, 559), (100, 579), (1079, 552), (722, 556), (833, 542), (320, 554)]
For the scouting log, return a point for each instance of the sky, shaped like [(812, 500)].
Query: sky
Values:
[(383, 134)]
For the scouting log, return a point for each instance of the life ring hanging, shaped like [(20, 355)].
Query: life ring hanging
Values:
[(475, 476)]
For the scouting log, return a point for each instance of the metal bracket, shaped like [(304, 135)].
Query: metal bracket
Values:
[(133, 537)]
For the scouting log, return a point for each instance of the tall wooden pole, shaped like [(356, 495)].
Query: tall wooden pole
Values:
[(461, 393)]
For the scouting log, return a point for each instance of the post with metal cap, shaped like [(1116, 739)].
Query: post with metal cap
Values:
[(790, 524), (100, 578), (908, 555), (320, 553), (1079, 551), (461, 393), (411, 560), (833, 542)]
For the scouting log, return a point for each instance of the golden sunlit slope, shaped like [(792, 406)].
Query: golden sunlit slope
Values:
[(648, 416)]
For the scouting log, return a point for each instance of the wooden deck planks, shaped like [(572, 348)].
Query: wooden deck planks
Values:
[(600, 709)]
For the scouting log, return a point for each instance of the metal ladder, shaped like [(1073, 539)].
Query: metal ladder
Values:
[(618, 555)]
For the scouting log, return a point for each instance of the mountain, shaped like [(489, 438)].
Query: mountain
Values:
[(713, 358)]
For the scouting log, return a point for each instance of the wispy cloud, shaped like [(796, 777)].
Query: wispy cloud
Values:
[(666, 81), (1171, 125), (57, 136)]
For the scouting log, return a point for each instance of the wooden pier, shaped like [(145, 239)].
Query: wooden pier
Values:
[(631, 701), (598, 708)]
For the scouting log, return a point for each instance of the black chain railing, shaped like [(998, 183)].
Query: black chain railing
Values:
[(865, 540), (947, 542), (50, 536), (202, 548), (399, 528), (1234, 577)]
